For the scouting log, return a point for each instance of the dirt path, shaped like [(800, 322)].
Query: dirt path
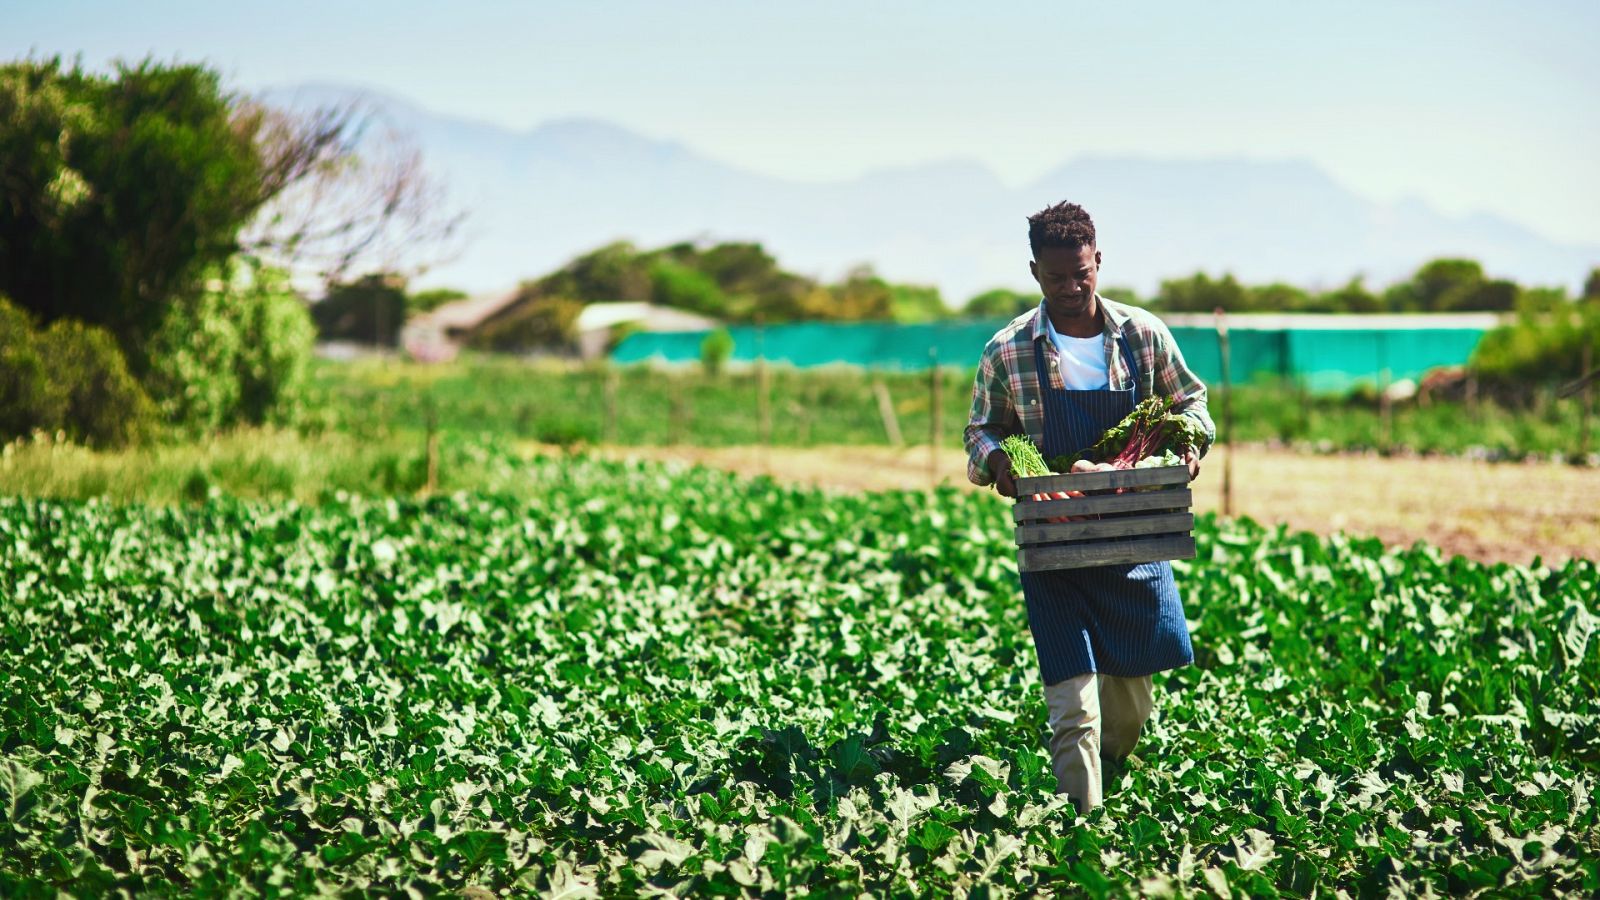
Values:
[(1495, 512)]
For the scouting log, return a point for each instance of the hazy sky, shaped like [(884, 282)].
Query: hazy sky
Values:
[(1468, 105)]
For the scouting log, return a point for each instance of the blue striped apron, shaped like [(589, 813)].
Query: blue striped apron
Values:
[(1123, 620)]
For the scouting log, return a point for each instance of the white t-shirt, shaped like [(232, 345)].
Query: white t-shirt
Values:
[(1083, 360)]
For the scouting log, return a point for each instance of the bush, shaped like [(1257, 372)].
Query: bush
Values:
[(238, 352), (104, 405), (28, 398), (715, 350), (369, 310), (277, 340), (193, 359), (1544, 345), (84, 389)]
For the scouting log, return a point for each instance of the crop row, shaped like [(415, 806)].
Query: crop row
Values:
[(649, 679)]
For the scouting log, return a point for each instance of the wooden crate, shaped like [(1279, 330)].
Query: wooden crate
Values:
[(1136, 526)]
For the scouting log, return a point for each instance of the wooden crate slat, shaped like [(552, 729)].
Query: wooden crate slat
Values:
[(1101, 481), (1103, 503), (1104, 553), (1129, 526)]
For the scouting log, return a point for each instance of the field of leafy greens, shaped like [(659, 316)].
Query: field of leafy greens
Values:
[(675, 681)]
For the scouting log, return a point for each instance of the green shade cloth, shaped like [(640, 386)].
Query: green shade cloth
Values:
[(1326, 359)]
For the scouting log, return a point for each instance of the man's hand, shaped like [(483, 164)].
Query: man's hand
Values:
[(1192, 460), (1000, 468)]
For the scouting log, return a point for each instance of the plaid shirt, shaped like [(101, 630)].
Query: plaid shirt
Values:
[(1006, 399)]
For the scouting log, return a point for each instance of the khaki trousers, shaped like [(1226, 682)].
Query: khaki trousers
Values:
[(1093, 716)]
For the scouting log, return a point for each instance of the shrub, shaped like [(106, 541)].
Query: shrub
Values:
[(1543, 346), (103, 404), (28, 398), (369, 310), (70, 378), (715, 350), (238, 352), (193, 363), (277, 340)]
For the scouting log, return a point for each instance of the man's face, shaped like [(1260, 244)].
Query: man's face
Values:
[(1067, 277)]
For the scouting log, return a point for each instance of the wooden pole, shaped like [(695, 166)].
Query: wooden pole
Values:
[(933, 416), (1385, 404), (763, 399), (680, 416), (1227, 414), (1586, 408), (891, 422), (433, 450), (611, 404)]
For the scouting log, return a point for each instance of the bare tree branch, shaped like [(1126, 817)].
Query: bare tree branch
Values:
[(341, 196)]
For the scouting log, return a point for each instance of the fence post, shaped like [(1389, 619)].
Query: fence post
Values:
[(611, 404), (1227, 415), (1385, 403), (933, 416), (763, 399), (432, 450), (1385, 413), (1586, 408), (891, 422)]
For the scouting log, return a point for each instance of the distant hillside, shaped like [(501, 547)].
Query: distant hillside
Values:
[(538, 198)]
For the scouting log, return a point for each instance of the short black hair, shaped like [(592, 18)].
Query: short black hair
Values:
[(1062, 225)]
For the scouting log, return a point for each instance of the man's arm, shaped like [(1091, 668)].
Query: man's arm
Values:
[(1173, 378), (993, 417)]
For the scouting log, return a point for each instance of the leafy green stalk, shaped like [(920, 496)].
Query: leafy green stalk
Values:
[(1026, 461)]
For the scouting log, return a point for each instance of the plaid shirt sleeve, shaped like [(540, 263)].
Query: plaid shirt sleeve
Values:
[(1173, 378), (994, 414)]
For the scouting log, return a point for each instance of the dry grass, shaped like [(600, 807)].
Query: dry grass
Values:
[(1494, 512)]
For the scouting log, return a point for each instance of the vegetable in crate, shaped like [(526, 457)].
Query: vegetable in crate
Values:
[(1026, 461), (1152, 430)]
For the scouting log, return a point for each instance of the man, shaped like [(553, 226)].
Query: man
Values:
[(1063, 373)]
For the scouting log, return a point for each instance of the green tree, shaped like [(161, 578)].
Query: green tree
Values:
[(1200, 294), (680, 285), (1353, 297), (117, 191), (1450, 285), (431, 299), (616, 271), (1116, 294), (1277, 297), (1000, 304), (368, 310), (916, 303), (862, 296)]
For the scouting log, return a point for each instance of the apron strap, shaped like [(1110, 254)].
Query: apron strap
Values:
[(1133, 370)]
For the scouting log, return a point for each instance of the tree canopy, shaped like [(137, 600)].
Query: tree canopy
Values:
[(116, 192)]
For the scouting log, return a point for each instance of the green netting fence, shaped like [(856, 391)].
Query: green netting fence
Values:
[(1323, 358)]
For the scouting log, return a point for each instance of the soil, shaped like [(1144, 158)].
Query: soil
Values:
[(1492, 512)]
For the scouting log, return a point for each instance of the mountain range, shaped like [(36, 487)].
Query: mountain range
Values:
[(534, 199)]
